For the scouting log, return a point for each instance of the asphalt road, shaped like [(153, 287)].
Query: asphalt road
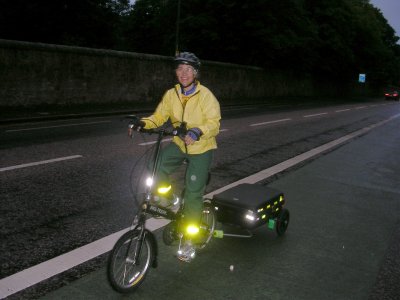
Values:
[(54, 207)]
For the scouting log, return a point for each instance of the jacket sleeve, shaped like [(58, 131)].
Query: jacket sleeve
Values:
[(212, 114), (160, 115)]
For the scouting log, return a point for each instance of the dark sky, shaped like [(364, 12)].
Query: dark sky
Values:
[(391, 11)]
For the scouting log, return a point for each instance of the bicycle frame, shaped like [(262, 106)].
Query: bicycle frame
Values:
[(136, 250), (147, 207)]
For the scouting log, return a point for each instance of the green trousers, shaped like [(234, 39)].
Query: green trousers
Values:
[(195, 180)]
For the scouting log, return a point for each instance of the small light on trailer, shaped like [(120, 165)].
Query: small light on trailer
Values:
[(250, 215)]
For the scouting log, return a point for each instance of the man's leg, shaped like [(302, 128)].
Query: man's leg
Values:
[(196, 181), (195, 184), (171, 158)]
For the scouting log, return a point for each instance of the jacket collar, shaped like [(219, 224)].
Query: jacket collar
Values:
[(197, 88)]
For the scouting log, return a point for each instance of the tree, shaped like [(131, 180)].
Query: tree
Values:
[(71, 22), (330, 40)]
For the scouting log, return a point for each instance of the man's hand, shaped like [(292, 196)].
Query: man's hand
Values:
[(188, 140), (136, 125), (192, 136)]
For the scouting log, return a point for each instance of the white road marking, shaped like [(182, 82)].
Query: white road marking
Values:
[(342, 110), (153, 142), (264, 174), (315, 115), (57, 126), (59, 264), (39, 163), (360, 107), (33, 275), (270, 122)]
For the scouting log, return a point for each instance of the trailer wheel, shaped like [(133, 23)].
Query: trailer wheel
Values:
[(282, 222)]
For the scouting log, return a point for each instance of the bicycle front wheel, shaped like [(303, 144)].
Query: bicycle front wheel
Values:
[(130, 261)]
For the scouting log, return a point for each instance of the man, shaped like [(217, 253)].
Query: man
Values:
[(193, 105)]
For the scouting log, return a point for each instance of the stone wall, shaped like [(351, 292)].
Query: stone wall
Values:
[(33, 74)]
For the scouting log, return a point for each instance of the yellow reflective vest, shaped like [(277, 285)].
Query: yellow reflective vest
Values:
[(201, 110)]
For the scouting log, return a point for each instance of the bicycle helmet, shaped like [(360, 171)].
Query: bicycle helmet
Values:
[(188, 58)]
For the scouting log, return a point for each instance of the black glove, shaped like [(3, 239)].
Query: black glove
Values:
[(181, 130), (136, 125)]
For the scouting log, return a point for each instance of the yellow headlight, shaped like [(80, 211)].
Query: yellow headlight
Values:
[(164, 190), (192, 229)]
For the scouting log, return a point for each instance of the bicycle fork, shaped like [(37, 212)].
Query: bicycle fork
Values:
[(137, 248), (140, 221)]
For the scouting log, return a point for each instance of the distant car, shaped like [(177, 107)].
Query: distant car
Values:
[(392, 95)]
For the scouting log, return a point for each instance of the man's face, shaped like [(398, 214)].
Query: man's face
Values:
[(185, 74)]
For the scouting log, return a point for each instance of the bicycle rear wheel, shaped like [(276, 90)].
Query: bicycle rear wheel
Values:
[(207, 225), (130, 261)]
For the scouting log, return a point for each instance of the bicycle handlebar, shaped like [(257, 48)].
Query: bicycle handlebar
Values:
[(177, 131), (160, 131)]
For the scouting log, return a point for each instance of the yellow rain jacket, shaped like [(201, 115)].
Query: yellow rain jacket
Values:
[(201, 110)]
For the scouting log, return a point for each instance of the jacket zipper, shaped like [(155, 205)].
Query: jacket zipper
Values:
[(183, 111)]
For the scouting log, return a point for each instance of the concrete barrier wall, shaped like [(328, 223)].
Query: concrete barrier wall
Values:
[(33, 74)]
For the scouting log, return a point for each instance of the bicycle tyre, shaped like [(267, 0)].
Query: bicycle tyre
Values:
[(208, 221), (123, 274)]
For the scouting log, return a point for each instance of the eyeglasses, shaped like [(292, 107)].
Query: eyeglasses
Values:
[(185, 69)]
